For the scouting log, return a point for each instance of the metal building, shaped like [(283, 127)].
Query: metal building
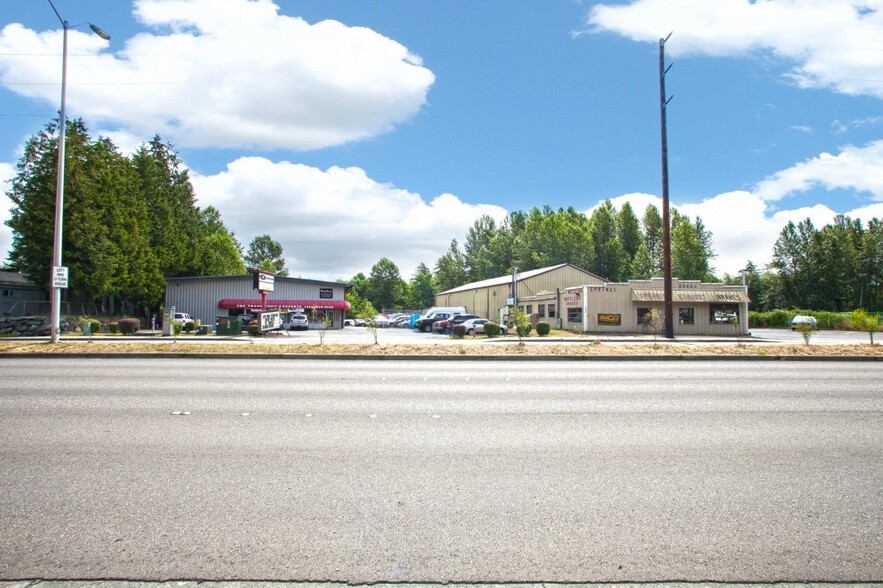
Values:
[(209, 297), (537, 292)]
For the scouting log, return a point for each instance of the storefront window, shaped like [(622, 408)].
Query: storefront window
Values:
[(574, 315), (643, 317), (552, 311), (723, 313), (686, 316), (541, 310)]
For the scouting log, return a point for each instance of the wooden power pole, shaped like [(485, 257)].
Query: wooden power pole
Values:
[(668, 330)]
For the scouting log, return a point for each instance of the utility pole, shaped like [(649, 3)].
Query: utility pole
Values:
[(668, 318)]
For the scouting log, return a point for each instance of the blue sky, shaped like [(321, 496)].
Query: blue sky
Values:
[(351, 130)]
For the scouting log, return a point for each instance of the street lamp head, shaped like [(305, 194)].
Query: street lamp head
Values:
[(99, 32)]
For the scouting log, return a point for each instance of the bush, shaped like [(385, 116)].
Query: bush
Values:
[(491, 329), (176, 328), (253, 329), (459, 331), (128, 326), (113, 327), (523, 330), (189, 326), (543, 328)]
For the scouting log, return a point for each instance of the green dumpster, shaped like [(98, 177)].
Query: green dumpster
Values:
[(228, 325)]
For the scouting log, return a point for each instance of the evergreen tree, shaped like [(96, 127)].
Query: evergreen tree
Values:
[(165, 188), (479, 264), (628, 230), (266, 254), (652, 224), (450, 269), (642, 266), (385, 285), (609, 256), (219, 253), (422, 289), (689, 258)]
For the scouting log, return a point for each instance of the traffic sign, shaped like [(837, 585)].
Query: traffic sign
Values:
[(59, 276)]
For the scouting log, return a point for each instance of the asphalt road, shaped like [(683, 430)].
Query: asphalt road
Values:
[(361, 471)]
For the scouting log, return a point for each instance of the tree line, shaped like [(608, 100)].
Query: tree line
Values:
[(837, 268), (610, 243), (129, 222)]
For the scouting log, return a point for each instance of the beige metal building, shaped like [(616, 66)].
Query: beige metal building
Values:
[(538, 292), (699, 308)]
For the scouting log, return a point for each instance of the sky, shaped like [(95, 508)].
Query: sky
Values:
[(351, 130)]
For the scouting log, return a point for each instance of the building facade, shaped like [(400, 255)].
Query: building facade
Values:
[(699, 308), (207, 298), (537, 292), (21, 297)]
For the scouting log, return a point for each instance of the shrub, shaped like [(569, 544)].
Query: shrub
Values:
[(254, 329), (523, 330), (176, 328), (543, 328), (189, 326), (89, 325), (113, 327), (459, 331), (491, 329), (128, 326)]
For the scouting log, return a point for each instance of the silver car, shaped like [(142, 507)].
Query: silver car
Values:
[(297, 321), (476, 325), (803, 321)]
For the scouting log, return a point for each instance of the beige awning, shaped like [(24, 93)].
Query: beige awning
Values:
[(718, 296)]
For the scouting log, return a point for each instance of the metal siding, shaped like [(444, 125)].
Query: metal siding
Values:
[(487, 301), (199, 296)]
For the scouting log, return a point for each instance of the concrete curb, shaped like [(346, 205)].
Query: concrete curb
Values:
[(441, 358)]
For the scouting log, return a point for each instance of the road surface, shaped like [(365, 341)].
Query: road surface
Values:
[(410, 471)]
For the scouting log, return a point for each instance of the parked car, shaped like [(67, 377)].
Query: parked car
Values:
[(183, 318), (804, 321), (402, 322), (458, 319), (425, 322), (476, 325), (360, 322), (380, 321), (296, 321)]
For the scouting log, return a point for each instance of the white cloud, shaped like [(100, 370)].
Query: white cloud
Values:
[(337, 222), (226, 73), (7, 172), (855, 168), (834, 43)]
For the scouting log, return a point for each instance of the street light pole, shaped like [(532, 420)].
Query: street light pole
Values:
[(55, 294)]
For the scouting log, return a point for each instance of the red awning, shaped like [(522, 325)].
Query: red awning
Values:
[(276, 303)]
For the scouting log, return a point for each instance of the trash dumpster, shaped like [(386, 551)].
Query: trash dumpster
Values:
[(228, 325)]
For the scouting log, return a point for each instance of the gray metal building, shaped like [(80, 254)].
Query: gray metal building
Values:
[(209, 297)]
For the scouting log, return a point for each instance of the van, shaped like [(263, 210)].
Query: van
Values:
[(437, 313)]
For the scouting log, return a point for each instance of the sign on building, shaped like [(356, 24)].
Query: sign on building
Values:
[(326, 293)]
